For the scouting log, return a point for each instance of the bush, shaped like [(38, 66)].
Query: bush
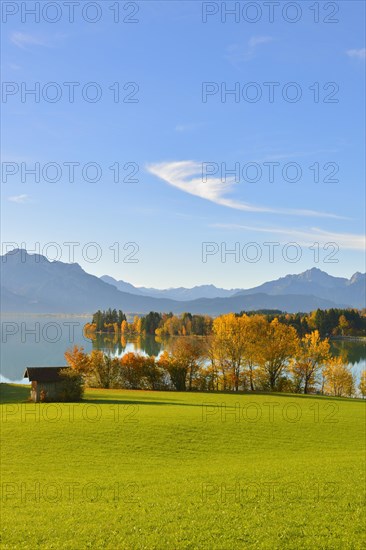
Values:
[(72, 386)]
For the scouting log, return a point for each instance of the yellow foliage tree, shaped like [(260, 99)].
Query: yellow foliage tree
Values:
[(255, 329), (312, 354), (343, 324), (338, 379), (188, 352), (230, 343), (362, 385), (278, 345), (218, 364), (137, 324)]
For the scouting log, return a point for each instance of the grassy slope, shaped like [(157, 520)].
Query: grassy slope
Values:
[(298, 484)]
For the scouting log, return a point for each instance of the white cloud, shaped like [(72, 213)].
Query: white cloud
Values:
[(187, 176), (359, 54), (257, 40), (22, 40), (306, 237), (296, 154), (19, 199)]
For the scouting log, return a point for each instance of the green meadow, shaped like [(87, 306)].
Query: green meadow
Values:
[(164, 470)]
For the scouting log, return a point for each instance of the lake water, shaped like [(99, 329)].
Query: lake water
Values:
[(41, 340)]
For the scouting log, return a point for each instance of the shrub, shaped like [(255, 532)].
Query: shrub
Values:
[(72, 386)]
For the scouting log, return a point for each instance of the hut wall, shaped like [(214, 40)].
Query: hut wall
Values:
[(52, 390), (34, 392)]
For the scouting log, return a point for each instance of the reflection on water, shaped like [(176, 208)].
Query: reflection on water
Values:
[(41, 340), (118, 345), (352, 351)]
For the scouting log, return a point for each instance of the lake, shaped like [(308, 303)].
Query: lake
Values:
[(41, 340)]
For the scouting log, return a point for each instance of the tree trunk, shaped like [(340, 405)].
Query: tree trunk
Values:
[(251, 378), (190, 378)]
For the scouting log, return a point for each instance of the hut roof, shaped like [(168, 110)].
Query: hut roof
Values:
[(43, 374)]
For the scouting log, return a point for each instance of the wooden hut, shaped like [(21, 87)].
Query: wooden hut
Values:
[(46, 383)]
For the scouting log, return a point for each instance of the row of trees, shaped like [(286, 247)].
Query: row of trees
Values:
[(328, 322), (331, 322), (253, 352), (185, 325), (246, 352), (132, 371), (159, 324)]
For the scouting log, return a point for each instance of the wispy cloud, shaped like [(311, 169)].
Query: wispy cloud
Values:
[(14, 66), (297, 154), (237, 53), (257, 40), (305, 237), (358, 54), (19, 199), (187, 176), (22, 40), (187, 127)]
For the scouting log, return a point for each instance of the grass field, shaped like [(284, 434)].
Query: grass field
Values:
[(163, 470)]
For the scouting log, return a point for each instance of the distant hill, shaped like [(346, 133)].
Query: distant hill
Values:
[(180, 294), (121, 285), (315, 282), (31, 283)]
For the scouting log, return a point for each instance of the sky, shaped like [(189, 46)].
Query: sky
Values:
[(166, 134)]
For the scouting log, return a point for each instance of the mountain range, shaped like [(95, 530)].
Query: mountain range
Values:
[(31, 283), (180, 293)]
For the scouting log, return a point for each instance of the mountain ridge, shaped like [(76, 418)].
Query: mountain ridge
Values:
[(313, 281), (32, 283)]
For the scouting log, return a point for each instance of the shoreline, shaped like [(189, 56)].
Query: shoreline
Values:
[(349, 338)]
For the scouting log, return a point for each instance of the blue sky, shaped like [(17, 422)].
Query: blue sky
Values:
[(169, 53)]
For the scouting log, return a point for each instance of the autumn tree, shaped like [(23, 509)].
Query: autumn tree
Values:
[(311, 355), (188, 353), (212, 368), (137, 324), (78, 360), (104, 371), (89, 330), (131, 365), (278, 344), (343, 324), (176, 370), (255, 330), (230, 340), (152, 374), (362, 385), (338, 378), (98, 369)]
